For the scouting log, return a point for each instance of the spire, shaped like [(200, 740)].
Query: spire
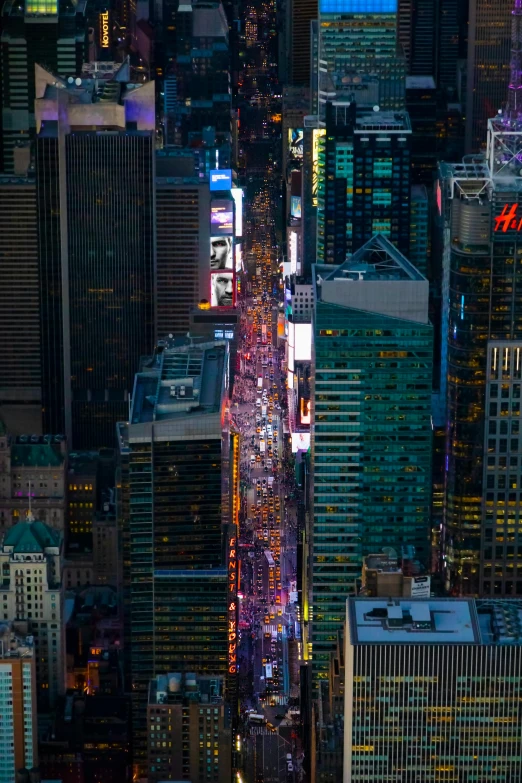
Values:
[(514, 106)]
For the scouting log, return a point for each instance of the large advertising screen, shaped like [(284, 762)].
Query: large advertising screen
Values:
[(295, 142), (316, 135), (303, 342), (221, 253), (295, 206), (222, 216), (358, 6), (300, 441), (237, 195), (220, 179), (222, 289), (293, 252)]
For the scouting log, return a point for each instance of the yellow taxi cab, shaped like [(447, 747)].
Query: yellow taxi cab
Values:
[(267, 620), (278, 599), (279, 628)]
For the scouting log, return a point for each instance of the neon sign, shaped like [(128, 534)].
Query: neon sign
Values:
[(508, 219), (232, 606), (104, 30)]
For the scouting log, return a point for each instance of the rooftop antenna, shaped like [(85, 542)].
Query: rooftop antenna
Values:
[(30, 515)]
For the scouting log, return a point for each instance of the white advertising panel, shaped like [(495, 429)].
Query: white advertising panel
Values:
[(303, 342), (237, 195), (300, 441)]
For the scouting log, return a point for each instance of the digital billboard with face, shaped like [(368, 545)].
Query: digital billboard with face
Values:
[(221, 253), (222, 289), (295, 142), (222, 216)]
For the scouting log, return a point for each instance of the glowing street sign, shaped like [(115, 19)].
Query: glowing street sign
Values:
[(104, 30)]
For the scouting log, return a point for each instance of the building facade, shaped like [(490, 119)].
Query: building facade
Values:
[(97, 317), (371, 425), (488, 66), (178, 502), (448, 671), (358, 54), (31, 560), (363, 180), (53, 32), (190, 710), (18, 727), (19, 291), (32, 474)]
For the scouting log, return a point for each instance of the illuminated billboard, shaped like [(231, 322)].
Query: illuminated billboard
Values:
[(295, 142), (105, 27), (222, 289), (237, 195), (300, 441), (239, 258), (304, 411), (293, 252), (222, 216), (220, 179), (295, 206), (303, 342), (358, 6), (316, 135), (221, 253), (291, 343)]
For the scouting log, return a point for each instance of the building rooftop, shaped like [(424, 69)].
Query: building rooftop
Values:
[(31, 536), (14, 642), (183, 377), (376, 260), (175, 687), (435, 621), (35, 455)]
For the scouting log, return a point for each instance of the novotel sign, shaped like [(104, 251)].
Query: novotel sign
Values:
[(508, 219), (220, 179), (104, 30)]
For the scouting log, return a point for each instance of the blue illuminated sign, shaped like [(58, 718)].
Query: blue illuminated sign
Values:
[(358, 6), (221, 179)]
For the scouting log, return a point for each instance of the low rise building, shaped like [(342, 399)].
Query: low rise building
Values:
[(189, 733)]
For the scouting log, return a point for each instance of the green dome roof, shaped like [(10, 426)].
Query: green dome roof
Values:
[(31, 537)]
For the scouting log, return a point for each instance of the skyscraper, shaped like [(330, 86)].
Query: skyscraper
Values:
[(299, 16), (18, 727), (371, 425), (182, 249), (363, 180), (19, 291), (95, 197), (358, 50), (488, 70), (179, 464), (449, 674), (53, 32)]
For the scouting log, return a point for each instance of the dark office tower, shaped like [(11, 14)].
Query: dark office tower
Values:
[(53, 32), (198, 75), (421, 104), (179, 492), (447, 45), (19, 292), (182, 248), (363, 180), (95, 194), (423, 42), (299, 15), (488, 71)]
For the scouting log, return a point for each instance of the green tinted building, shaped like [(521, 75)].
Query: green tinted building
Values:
[(371, 426)]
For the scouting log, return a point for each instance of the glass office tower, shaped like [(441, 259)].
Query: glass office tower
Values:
[(357, 44), (371, 426), (363, 180), (179, 501), (95, 201)]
